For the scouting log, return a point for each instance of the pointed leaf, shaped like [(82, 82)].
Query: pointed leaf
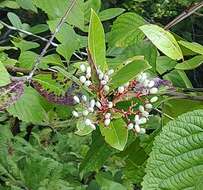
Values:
[(163, 40), (96, 41), (195, 47), (4, 76), (116, 134)]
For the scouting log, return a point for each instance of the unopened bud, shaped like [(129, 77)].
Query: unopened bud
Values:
[(142, 120), (107, 115), (90, 109), (126, 84), (145, 114), (92, 126), (75, 114), (141, 108), (101, 75), (92, 103), (103, 82), (137, 128), (110, 104), (151, 84), (154, 99), (110, 72), (88, 70), (76, 99), (88, 83), (130, 126), (88, 75), (85, 113), (148, 106), (84, 98), (106, 77), (82, 68), (106, 88), (88, 122), (142, 131), (107, 122), (153, 90), (98, 104), (121, 89), (83, 79)]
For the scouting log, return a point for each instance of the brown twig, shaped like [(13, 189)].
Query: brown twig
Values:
[(184, 15), (60, 24)]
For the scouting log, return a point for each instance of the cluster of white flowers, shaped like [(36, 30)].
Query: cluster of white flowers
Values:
[(146, 87), (85, 79), (104, 78)]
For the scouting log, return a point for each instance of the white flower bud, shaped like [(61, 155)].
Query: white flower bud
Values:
[(137, 118), (75, 114), (145, 114), (146, 83), (148, 106), (142, 120), (99, 71), (121, 89), (106, 77), (142, 131), (90, 109), (88, 75), (76, 99), (88, 83), (107, 122), (101, 75), (153, 90), (142, 77), (85, 113), (126, 85), (82, 68), (83, 79), (137, 128), (151, 84), (88, 122), (106, 88), (92, 103), (107, 115), (84, 98), (110, 104), (98, 104), (88, 70), (92, 126), (130, 126), (141, 108), (110, 72), (154, 99), (103, 82)]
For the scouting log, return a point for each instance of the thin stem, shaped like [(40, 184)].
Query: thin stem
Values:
[(60, 24), (184, 15), (166, 115)]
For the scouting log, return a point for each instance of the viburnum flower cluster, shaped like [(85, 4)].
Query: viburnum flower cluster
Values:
[(104, 106)]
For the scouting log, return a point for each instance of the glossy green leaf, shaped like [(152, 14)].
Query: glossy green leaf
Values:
[(163, 40), (129, 72), (190, 64), (195, 47), (4, 76), (116, 134), (96, 41), (108, 14), (176, 160), (125, 30), (28, 108)]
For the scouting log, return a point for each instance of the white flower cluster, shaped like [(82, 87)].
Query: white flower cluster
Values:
[(147, 87), (104, 78), (88, 109), (85, 79)]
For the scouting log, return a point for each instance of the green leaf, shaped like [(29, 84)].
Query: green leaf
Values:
[(27, 4), (28, 108), (24, 45), (39, 28), (190, 64), (97, 155), (82, 129), (129, 72), (56, 9), (27, 59), (163, 40), (116, 134), (108, 14), (9, 4), (176, 160), (195, 47), (96, 41), (4, 76), (15, 20), (125, 30), (108, 184), (91, 4)]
